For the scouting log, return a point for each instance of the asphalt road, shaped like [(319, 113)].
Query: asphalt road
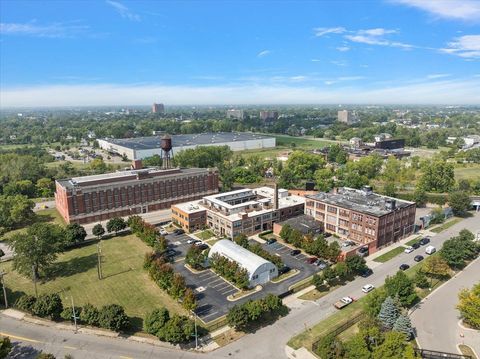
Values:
[(268, 342), (443, 332)]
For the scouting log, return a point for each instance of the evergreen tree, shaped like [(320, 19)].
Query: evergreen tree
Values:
[(404, 325), (388, 313)]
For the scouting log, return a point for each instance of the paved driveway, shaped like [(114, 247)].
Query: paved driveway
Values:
[(443, 332)]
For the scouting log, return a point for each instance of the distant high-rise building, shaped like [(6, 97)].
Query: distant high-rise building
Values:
[(158, 108), (346, 116), (236, 114), (268, 116)]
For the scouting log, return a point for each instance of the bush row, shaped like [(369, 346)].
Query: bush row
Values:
[(230, 270), (111, 316), (147, 233), (173, 329)]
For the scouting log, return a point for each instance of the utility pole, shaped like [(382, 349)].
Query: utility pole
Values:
[(99, 259), (74, 315), (196, 333), (34, 280), (4, 290)]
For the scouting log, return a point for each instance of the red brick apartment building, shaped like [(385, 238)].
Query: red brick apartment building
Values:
[(363, 216), (100, 197)]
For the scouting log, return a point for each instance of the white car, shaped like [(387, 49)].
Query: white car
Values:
[(409, 249), (367, 288), (192, 241), (163, 232)]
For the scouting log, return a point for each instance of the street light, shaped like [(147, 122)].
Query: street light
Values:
[(196, 334)]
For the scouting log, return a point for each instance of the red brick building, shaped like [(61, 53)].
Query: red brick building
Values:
[(100, 197)]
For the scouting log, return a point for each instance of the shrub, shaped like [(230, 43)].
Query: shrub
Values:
[(89, 315), (178, 329), (26, 303), (48, 305), (67, 313), (113, 317), (156, 320)]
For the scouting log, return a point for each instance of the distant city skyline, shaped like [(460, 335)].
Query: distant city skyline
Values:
[(126, 53)]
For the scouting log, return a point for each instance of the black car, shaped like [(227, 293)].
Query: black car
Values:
[(362, 252), (271, 240), (284, 269), (170, 252), (424, 240), (416, 245), (295, 252), (404, 266), (179, 231), (418, 258), (367, 272)]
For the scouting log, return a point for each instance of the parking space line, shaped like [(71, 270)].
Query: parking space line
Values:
[(222, 287), (209, 315), (229, 291)]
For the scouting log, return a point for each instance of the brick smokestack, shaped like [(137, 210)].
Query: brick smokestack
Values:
[(275, 196), (136, 164)]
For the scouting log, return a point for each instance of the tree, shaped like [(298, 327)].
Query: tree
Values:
[(26, 303), (420, 197), (156, 320), (195, 257), (438, 176), (388, 313), (370, 329), (357, 348), (241, 240), (189, 300), (89, 314), (329, 275), (98, 230), (238, 317), (303, 164), (342, 270), (254, 309), (15, 210), (67, 313), (48, 305), (420, 279), (436, 267), (334, 251), (74, 233), (116, 225), (404, 325), (45, 187), (113, 317), (5, 347), (373, 302), (469, 306), (356, 264), (393, 347), (285, 232), (37, 248), (178, 329), (329, 347), (402, 287), (460, 202), (324, 179)]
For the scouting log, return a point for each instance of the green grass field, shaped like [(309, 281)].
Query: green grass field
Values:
[(205, 234), (468, 172), (125, 281), (389, 255), (446, 225)]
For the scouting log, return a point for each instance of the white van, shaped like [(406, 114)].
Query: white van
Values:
[(430, 250)]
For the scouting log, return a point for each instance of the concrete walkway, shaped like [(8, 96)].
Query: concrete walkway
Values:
[(437, 320)]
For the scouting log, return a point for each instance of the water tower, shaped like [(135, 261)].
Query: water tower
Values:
[(166, 154)]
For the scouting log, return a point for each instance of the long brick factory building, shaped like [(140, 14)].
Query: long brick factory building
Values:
[(132, 191)]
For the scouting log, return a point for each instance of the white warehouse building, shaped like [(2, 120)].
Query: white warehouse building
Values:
[(260, 271), (142, 147)]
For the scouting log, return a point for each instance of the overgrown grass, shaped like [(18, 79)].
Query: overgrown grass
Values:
[(125, 281), (446, 225), (467, 171), (389, 255)]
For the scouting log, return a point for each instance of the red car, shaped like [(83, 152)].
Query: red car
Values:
[(311, 260)]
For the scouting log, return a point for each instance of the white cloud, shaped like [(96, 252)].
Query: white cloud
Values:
[(321, 31), (456, 91), (438, 76), (467, 10), (315, 60), (376, 36), (467, 46), (123, 10), (341, 63), (299, 78), (264, 53), (55, 30), (343, 48)]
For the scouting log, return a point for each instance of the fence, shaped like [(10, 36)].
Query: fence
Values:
[(341, 328), (433, 354)]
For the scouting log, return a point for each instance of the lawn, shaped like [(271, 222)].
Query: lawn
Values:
[(315, 294), (125, 281), (413, 241), (205, 235), (446, 225), (468, 172), (389, 255)]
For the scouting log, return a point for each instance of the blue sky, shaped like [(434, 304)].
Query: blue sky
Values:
[(239, 52)]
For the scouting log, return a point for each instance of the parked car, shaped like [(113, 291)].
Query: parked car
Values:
[(295, 252), (179, 231), (367, 272), (170, 252), (348, 243), (321, 264), (198, 243), (271, 240), (424, 240), (416, 245), (363, 251), (203, 246), (163, 232), (342, 303), (312, 260), (193, 241), (409, 249), (367, 288), (404, 266), (418, 258), (430, 250), (283, 270)]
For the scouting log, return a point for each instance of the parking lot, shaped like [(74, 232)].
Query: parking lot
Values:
[(212, 291)]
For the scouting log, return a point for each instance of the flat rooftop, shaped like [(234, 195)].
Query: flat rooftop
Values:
[(210, 138), (303, 223), (358, 200)]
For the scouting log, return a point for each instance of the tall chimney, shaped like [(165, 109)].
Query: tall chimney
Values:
[(275, 196)]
